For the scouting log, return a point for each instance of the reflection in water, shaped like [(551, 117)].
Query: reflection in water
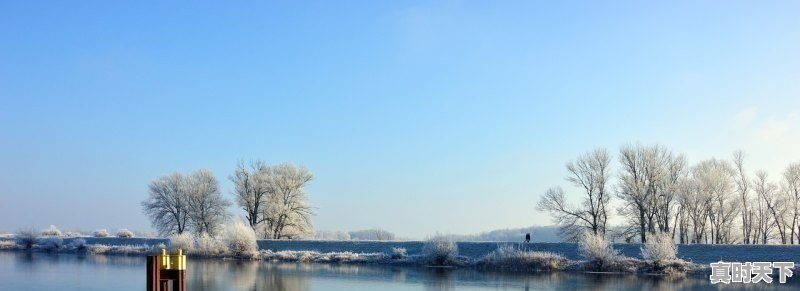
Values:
[(38, 271), (278, 280), (441, 279), (245, 275), (253, 275)]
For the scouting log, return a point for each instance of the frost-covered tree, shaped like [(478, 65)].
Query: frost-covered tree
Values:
[(590, 172), (251, 190), (665, 204), (646, 186), (768, 208), (287, 214), (207, 209), (695, 206), (743, 189), (791, 190), (714, 179), (659, 193), (274, 199), (179, 202), (166, 205)]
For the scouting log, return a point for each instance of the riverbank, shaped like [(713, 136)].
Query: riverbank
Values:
[(507, 257), (491, 256), (697, 253)]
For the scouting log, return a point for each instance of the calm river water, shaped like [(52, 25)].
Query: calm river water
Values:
[(40, 271)]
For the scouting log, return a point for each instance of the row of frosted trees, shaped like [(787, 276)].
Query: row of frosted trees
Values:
[(655, 190), (273, 198)]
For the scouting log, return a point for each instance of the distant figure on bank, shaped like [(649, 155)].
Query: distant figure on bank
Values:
[(527, 237)]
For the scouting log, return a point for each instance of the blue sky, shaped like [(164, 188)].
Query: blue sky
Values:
[(415, 116)]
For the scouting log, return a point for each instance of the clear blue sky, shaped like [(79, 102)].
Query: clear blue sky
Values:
[(415, 116)]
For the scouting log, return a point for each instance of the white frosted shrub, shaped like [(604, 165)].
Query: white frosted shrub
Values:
[(241, 240), (317, 257), (440, 250), (508, 257), (210, 246), (183, 241), (399, 253), (124, 232), (51, 231), (72, 234), (7, 245), (50, 243), (26, 238), (100, 233), (125, 250), (595, 248), (156, 249), (98, 249), (659, 247)]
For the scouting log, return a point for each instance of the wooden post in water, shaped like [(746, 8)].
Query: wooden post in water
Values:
[(166, 272)]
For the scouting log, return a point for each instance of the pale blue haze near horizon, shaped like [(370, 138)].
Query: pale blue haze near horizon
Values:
[(417, 117)]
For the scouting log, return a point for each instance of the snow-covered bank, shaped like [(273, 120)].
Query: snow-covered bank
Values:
[(697, 253), (514, 257), (436, 252)]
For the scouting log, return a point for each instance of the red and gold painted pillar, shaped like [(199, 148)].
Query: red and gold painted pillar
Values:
[(166, 272)]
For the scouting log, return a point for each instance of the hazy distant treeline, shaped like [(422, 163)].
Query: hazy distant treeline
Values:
[(366, 234)]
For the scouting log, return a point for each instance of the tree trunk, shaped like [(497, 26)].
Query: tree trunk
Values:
[(642, 226)]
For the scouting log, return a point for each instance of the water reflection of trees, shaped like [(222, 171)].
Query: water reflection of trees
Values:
[(57, 259), (215, 274), (253, 275), (441, 279)]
